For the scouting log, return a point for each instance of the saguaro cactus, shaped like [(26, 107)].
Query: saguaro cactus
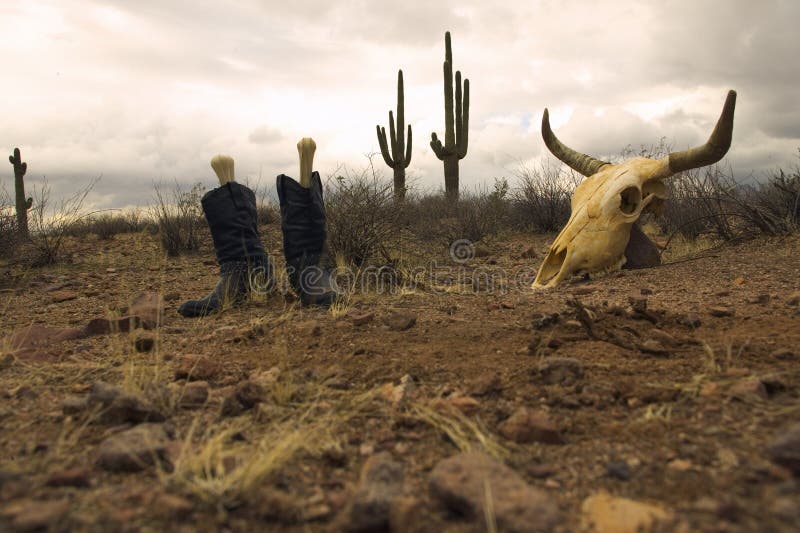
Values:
[(456, 127), (400, 156), (23, 204)]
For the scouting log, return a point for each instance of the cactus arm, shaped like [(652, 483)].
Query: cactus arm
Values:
[(407, 160), (463, 138), (436, 146), (384, 147)]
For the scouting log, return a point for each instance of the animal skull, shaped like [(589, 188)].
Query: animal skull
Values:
[(613, 197)]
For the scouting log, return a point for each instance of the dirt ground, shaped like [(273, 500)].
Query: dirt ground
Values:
[(667, 386)]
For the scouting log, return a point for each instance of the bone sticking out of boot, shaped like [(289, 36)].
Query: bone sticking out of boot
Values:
[(306, 148), (223, 166)]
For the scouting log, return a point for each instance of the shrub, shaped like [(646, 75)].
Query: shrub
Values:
[(49, 228), (362, 216), (541, 200), (179, 217)]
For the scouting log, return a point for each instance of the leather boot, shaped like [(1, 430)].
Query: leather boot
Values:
[(244, 267), (304, 234)]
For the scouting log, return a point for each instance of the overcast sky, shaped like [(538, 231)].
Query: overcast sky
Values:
[(149, 90)]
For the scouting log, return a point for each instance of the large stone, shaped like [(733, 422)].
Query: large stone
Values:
[(380, 483), (530, 425), (604, 513), (560, 370), (40, 515), (118, 407), (785, 449), (197, 368), (136, 449), (470, 483)]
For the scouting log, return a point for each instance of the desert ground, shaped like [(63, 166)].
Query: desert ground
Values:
[(663, 399)]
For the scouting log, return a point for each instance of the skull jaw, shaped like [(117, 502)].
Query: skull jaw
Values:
[(588, 253)]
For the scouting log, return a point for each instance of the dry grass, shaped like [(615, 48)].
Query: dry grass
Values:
[(466, 434)]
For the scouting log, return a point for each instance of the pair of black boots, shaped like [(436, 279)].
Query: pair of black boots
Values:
[(244, 266)]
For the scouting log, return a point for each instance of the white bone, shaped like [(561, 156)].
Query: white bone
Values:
[(306, 148), (223, 167)]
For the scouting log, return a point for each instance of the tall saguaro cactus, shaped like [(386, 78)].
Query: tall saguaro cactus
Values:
[(400, 156), (456, 127), (23, 204)]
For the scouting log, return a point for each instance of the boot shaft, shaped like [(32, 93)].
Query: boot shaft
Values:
[(233, 220)]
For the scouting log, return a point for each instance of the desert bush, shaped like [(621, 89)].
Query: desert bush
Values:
[(108, 224), (50, 226), (709, 201), (179, 217), (8, 225), (477, 214), (362, 216), (540, 201)]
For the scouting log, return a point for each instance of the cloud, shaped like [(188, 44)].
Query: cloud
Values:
[(150, 91)]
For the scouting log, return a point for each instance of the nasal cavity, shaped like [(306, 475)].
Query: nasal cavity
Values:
[(630, 198)]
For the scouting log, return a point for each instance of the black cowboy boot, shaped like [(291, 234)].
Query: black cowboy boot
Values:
[(303, 225), (231, 214)]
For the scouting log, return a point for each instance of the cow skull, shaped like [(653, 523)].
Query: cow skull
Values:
[(613, 197)]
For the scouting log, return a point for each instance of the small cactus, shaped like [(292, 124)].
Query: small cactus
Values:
[(456, 133), (22, 203), (400, 156)]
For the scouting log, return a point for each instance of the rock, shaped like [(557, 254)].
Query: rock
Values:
[(794, 299), (173, 506), (380, 483), (619, 469), (464, 404), (246, 396), (309, 328), (545, 320), (784, 449), (529, 252), (119, 407), (24, 392), (193, 395), (400, 321), (529, 425), (486, 385), (782, 354), (63, 296), (135, 449), (560, 370), (149, 307), (749, 389), (603, 513), (105, 326), (462, 483), (144, 343), (690, 321), (774, 383), (653, 347), (38, 515), (720, 312), (197, 368), (359, 319), (74, 405), (663, 337), (399, 395), (74, 477), (172, 296), (39, 336)]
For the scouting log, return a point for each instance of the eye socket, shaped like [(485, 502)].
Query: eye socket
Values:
[(629, 200)]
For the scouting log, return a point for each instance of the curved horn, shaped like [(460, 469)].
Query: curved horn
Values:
[(582, 163), (714, 149)]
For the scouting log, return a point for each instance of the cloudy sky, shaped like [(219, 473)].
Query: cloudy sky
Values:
[(148, 91)]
